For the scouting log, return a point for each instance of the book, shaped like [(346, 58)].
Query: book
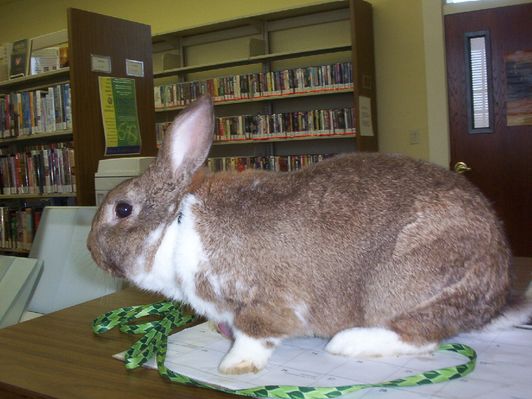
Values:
[(44, 60), (19, 59), (281, 163), (38, 170), (37, 111), (286, 125), (18, 226), (63, 56), (5, 51), (307, 80)]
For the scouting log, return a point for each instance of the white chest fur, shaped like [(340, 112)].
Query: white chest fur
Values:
[(177, 261)]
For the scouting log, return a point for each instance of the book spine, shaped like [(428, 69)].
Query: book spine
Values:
[(2, 116), (27, 228), (18, 229), (30, 175), (59, 118), (9, 116), (6, 176), (32, 112), (68, 107), (157, 97), (20, 115), (3, 238), (51, 110), (18, 174), (37, 214), (47, 171), (37, 182), (61, 180), (54, 169), (72, 163)]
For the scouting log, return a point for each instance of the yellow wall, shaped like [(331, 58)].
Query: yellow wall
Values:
[(399, 47), (43, 16), (400, 72)]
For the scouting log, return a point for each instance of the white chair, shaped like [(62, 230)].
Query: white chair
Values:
[(18, 277), (69, 275)]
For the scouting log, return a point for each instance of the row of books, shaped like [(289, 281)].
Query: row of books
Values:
[(286, 125), (39, 170), (36, 111), (18, 227), (321, 122), (281, 163), (257, 85)]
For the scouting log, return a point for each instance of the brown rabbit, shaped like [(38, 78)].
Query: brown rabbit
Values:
[(385, 254)]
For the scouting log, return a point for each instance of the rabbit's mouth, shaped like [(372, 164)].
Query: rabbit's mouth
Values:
[(104, 264), (114, 271)]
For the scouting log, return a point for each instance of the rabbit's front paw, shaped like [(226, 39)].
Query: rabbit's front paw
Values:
[(247, 355), (244, 366)]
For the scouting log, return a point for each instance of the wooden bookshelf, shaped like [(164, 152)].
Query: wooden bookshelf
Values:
[(27, 81), (278, 41), (17, 225), (88, 33), (58, 135), (266, 98), (91, 33), (259, 59), (36, 196), (305, 137), (364, 68), (16, 251)]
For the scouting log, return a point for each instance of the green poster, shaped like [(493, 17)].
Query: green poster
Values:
[(119, 114)]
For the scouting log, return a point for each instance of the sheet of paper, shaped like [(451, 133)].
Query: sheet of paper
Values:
[(118, 102), (366, 122), (504, 366)]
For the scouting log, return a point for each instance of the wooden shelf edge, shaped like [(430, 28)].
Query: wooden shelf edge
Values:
[(15, 250), (253, 60), (36, 136), (34, 78), (265, 98), (286, 139), (37, 196)]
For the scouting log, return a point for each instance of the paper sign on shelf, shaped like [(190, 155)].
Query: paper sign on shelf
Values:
[(119, 114), (100, 63), (366, 124)]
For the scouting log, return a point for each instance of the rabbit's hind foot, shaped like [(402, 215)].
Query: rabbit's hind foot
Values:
[(374, 342)]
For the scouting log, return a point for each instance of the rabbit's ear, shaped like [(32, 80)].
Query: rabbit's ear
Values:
[(188, 140)]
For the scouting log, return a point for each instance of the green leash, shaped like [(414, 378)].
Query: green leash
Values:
[(154, 343)]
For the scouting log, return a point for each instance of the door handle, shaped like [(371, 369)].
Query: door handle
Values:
[(461, 167)]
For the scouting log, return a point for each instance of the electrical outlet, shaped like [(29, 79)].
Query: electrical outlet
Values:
[(414, 136)]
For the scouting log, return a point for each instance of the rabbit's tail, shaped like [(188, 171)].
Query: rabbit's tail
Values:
[(517, 312)]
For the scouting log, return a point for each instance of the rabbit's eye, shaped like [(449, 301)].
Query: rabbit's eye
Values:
[(123, 209)]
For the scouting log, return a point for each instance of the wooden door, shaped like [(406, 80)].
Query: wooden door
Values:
[(490, 108)]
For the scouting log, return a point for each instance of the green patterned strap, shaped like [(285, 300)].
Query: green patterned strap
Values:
[(154, 343)]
